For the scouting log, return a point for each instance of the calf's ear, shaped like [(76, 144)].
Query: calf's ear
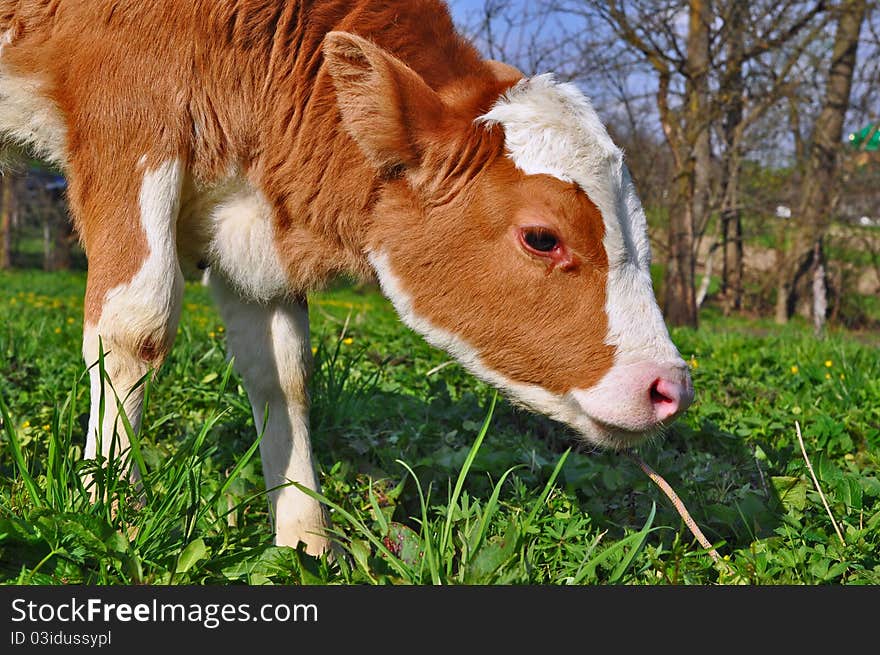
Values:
[(504, 72), (385, 106)]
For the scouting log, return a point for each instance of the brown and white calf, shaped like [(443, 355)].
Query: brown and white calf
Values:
[(285, 142)]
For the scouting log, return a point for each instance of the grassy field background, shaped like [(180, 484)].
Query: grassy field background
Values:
[(429, 479)]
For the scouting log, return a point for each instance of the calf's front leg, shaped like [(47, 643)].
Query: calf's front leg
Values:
[(270, 342), (133, 295)]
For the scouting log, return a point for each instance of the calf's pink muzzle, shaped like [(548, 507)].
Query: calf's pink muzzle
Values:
[(638, 397)]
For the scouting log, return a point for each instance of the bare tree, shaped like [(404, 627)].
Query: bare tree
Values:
[(760, 48), (716, 66), (717, 81), (821, 167)]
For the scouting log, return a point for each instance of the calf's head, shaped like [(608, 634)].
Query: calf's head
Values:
[(509, 233)]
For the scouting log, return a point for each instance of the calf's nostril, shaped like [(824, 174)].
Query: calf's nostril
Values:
[(667, 399), (657, 396)]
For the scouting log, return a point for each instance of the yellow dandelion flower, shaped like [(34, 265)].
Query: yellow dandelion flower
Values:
[(794, 370), (211, 335), (69, 320), (828, 363), (26, 425), (348, 341), (314, 349), (694, 363), (842, 376), (221, 329), (46, 427), (58, 330), (828, 376)]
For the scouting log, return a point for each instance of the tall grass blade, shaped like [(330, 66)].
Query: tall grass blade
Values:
[(491, 506), (636, 540), (641, 535), (374, 503), (395, 562), (15, 446), (134, 436), (462, 474), (236, 470), (547, 489), (430, 557)]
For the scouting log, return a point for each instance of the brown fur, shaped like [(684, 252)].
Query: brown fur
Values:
[(356, 143)]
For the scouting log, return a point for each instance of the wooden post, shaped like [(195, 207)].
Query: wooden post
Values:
[(820, 296), (6, 211)]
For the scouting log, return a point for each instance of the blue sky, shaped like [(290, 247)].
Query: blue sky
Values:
[(466, 11), (460, 8)]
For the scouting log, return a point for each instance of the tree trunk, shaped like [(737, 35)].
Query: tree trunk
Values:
[(703, 291), (820, 171), (693, 180), (6, 211), (47, 242), (64, 238), (820, 292), (680, 302), (731, 215), (731, 241), (736, 264)]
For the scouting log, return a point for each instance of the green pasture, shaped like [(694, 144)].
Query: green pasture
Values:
[(430, 478)]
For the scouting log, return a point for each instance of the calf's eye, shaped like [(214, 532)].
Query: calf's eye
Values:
[(540, 239)]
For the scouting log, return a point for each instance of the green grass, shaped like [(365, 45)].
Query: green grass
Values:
[(430, 478)]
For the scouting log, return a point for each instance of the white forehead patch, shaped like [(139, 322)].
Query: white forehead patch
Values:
[(552, 128)]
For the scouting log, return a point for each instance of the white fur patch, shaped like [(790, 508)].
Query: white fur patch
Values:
[(242, 243), (27, 117), (145, 302), (125, 375), (552, 129)]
